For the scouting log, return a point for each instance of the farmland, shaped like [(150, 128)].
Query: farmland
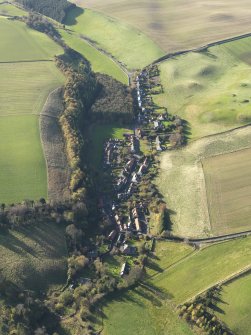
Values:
[(228, 187), (8, 9), (171, 268), (178, 24), (234, 305), (24, 88), (182, 182), (34, 257), (99, 62), (121, 41), (209, 89)]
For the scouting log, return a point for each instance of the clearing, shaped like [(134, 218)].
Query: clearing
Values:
[(182, 182), (235, 303), (178, 24), (209, 89), (123, 42)]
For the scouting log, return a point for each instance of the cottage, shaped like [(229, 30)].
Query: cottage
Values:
[(124, 269), (158, 144), (135, 213), (112, 235), (135, 178), (128, 250), (129, 165), (156, 124), (137, 225)]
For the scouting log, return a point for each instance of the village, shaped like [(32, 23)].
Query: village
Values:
[(128, 211)]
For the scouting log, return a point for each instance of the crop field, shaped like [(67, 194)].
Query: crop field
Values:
[(99, 62), (34, 257), (19, 43), (209, 89), (228, 184), (235, 304), (24, 88), (182, 182), (126, 44), (178, 24)]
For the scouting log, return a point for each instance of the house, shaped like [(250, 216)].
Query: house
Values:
[(156, 124), (135, 178), (137, 225), (138, 132), (129, 165), (118, 222), (128, 250), (124, 269), (135, 213), (158, 144), (112, 235)]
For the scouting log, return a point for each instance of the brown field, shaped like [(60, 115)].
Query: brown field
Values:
[(228, 184), (179, 24)]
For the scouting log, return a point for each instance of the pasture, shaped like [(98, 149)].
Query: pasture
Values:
[(34, 258), (234, 305), (228, 185), (10, 10), (209, 89), (181, 180), (99, 62), (175, 272), (19, 43), (123, 42), (178, 24)]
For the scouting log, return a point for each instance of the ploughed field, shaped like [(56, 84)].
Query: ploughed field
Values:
[(228, 184), (27, 76), (209, 89), (179, 24)]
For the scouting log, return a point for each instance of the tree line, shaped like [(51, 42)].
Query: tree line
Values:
[(56, 9)]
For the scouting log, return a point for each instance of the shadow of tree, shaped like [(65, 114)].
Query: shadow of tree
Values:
[(71, 17)]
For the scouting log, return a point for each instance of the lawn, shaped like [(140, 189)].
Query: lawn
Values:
[(19, 43), (35, 257), (211, 90), (181, 180), (179, 24), (98, 135), (99, 62), (228, 184), (235, 304), (125, 43)]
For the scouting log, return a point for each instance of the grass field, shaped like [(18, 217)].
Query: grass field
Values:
[(235, 305), (99, 62), (19, 43), (175, 272), (34, 257), (179, 24), (98, 135), (24, 88), (182, 182), (209, 89), (8, 9), (125, 43), (228, 187)]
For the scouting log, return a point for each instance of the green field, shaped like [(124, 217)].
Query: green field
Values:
[(99, 62), (34, 258), (228, 184), (122, 41), (211, 90), (235, 305), (175, 273), (179, 24), (19, 43), (98, 134), (24, 88), (8, 9)]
